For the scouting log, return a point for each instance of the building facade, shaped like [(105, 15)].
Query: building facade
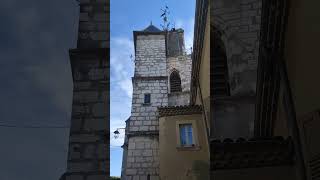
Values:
[(249, 115), (283, 143), (88, 154), (161, 77)]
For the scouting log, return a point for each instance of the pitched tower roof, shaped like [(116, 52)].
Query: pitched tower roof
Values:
[(151, 28)]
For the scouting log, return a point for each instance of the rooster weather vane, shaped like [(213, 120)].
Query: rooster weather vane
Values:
[(164, 16)]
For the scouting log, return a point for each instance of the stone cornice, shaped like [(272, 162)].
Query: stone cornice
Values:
[(149, 78), (89, 51), (142, 133)]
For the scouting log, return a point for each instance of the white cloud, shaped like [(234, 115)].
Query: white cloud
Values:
[(121, 64), (121, 86)]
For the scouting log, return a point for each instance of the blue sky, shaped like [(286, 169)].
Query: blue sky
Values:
[(127, 16)]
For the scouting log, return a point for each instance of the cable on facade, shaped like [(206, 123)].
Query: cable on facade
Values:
[(34, 127)]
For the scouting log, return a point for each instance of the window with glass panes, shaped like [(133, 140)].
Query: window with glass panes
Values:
[(186, 136)]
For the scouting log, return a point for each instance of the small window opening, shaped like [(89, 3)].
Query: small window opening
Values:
[(147, 99)]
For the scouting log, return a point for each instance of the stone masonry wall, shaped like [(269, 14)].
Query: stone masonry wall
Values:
[(150, 55), (149, 77), (143, 158), (88, 143), (238, 21), (144, 116), (93, 24), (237, 24), (183, 65), (88, 157)]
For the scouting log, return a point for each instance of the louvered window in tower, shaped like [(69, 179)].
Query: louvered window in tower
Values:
[(175, 82)]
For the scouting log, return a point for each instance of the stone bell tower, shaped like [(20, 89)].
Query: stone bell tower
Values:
[(88, 157), (149, 92), (158, 55)]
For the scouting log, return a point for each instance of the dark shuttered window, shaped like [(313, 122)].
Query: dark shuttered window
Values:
[(175, 82)]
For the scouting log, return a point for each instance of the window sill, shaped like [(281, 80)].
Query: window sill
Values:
[(188, 148), (146, 104)]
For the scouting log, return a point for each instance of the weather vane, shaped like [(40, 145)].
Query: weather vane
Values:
[(164, 16)]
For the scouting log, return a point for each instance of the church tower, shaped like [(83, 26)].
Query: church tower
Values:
[(88, 157), (161, 77), (149, 92)]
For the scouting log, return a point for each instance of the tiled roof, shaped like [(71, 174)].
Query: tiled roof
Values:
[(253, 153), (179, 110)]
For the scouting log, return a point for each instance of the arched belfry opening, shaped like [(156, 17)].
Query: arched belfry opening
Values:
[(219, 81), (175, 82)]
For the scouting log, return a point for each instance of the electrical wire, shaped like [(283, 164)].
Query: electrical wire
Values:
[(33, 127)]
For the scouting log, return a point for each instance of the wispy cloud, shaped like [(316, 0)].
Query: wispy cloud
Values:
[(121, 86), (121, 64)]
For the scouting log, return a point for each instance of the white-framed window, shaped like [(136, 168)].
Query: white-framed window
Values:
[(186, 135)]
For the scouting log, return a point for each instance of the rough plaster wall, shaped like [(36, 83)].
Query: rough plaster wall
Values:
[(183, 65), (150, 56), (239, 23), (143, 158), (236, 120)]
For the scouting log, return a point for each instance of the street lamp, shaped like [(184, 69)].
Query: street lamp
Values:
[(117, 133)]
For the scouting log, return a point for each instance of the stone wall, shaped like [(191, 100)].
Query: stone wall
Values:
[(143, 158), (93, 24), (88, 143), (182, 64), (88, 157), (144, 116), (175, 43), (238, 22), (150, 55), (150, 77), (179, 99)]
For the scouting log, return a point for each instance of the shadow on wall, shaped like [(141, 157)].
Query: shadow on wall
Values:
[(200, 170)]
